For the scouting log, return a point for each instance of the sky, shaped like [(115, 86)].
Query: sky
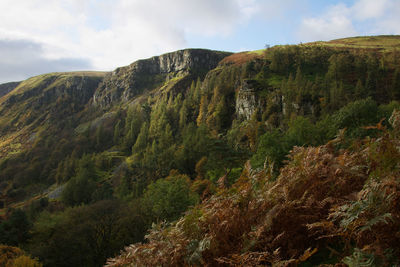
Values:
[(40, 36)]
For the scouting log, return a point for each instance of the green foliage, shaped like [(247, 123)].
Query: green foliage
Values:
[(141, 141), (274, 145), (167, 199), (357, 114), (15, 230), (98, 230), (272, 149), (302, 132), (80, 188), (359, 258)]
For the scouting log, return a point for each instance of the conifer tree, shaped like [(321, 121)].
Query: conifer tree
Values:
[(202, 110), (183, 114), (117, 132), (371, 84), (141, 141), (395, 88), (59, 173), (99, 136), (359, 91)]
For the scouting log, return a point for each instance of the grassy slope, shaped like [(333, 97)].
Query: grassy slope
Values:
[(32, 82), (11, 142), (382, 42)]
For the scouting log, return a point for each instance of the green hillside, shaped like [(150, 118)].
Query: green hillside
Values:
[(382, 43), (281, 156)]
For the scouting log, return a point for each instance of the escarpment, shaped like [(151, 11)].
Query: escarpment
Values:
[(124, 83)]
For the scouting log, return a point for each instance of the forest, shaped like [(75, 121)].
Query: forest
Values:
[(280, 157)]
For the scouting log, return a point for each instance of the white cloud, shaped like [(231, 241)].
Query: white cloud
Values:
[(114, 33), (333, 24), (23, 58), (364, 17), (389, 22), (370, 9)]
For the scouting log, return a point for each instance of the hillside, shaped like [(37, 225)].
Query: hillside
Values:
[(219, 146), (5, 88), (382, 43)]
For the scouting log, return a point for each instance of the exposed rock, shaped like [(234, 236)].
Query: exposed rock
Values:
[(247, 101), (126, 82)]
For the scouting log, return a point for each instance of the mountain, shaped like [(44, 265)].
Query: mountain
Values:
[(104, 155), (180, 67)]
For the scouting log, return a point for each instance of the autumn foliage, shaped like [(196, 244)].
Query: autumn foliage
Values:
[(328, 205), (15, 257)]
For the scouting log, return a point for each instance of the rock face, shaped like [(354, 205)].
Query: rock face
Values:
[(247, 101), (126, 82)]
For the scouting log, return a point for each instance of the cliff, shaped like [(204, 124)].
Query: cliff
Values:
[(143, 75)]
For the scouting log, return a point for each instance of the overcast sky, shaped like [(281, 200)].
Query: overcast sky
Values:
[(39, 36)]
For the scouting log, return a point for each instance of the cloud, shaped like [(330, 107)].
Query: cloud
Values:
[(388, 23), (333, 24), (364, 17), (370, 9), (22, 58), (112, 33)]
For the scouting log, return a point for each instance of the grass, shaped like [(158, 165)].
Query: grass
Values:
[(57, 76), (10, 144), (168, 84), (275, 80), (382, 42), (259, 52), (242, 57)]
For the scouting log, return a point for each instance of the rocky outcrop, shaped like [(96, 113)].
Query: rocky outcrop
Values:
[(247, 100), (127, 82)]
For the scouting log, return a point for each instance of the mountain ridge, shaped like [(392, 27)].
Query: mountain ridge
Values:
[(206, 129)]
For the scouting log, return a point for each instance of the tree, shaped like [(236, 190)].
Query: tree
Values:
[(356, 114), (15, 230), (396, 85), (371, 84), (141, 141), (15, 257), (167, 199), (79, 189), (99, 230), (100, 136), (202, 110), (272, 148), (183, 114), (359, 91), (301, 132), (117, 133)]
